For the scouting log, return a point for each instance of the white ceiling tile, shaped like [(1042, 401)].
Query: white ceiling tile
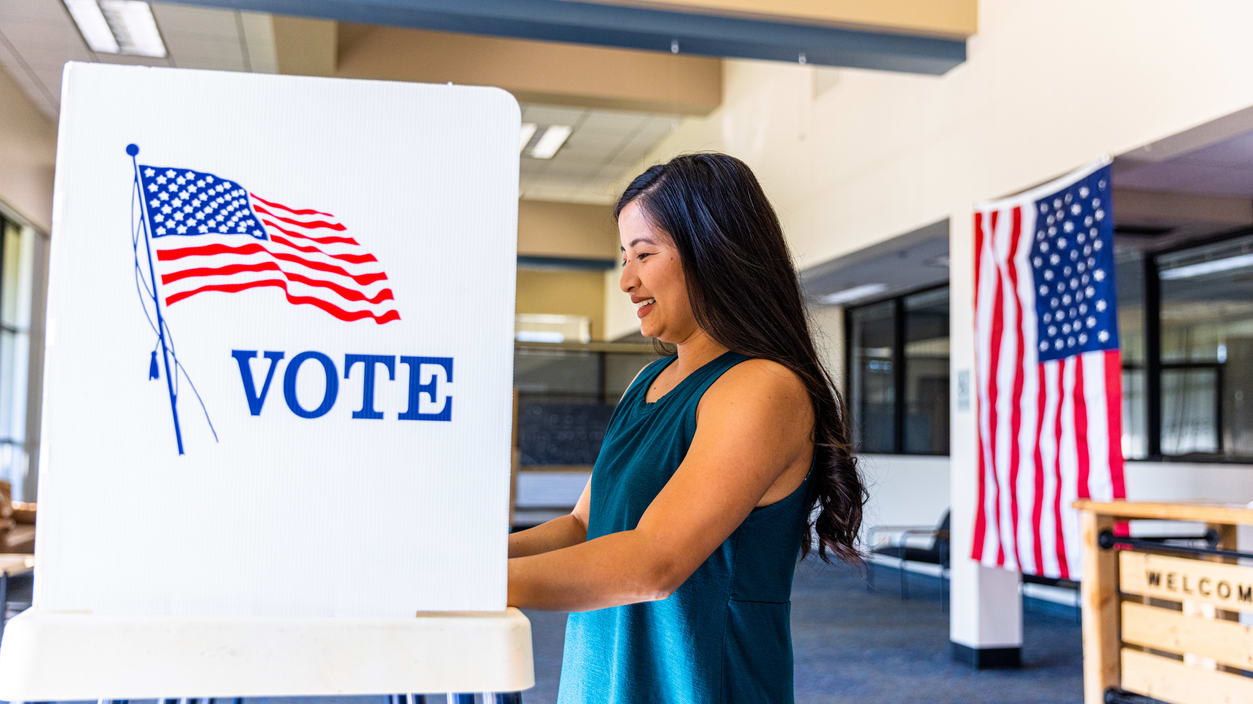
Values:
[(44, 36), (551, 115), (258, 30), (32, 10), (203, 47), (125, 60), (613, 121), (196, 21)]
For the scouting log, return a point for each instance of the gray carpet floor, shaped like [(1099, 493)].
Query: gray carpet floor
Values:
[(852, 644)]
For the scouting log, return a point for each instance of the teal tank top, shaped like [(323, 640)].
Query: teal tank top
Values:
[(724, 634)]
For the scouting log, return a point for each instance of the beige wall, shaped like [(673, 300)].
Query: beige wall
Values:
[(28, 147), (565, 293), (851, 158), (575, 230)]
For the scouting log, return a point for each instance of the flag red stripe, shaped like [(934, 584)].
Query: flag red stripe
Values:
[(994, 350), (312, 224), (1015, 406), (329, 239), (1037, 505), (1081, 431), (211, 249), (980, 519), (350, 294), (350, 258), (334, 310), (301, 211), (1113, 419), (1057, 471)]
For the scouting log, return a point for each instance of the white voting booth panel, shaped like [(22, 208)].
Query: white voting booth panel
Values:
[(277, 401)]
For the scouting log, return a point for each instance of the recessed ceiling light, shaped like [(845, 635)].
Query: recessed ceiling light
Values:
[(853, 294), (528, 131), (92, 25), (117, 26), (549, 142)]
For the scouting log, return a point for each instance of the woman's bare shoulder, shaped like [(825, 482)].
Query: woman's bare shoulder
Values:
[(766, 380)]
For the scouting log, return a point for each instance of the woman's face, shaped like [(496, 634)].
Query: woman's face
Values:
[(652, 272)]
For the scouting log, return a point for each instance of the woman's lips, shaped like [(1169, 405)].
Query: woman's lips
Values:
[(644, 310)]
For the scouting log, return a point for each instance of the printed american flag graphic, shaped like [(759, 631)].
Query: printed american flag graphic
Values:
[(1047, 371), (210, 234)]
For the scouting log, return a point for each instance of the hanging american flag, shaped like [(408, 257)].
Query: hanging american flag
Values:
[(1047, 371), (210, 234)]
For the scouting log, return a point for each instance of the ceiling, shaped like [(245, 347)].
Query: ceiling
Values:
[(1224, 168), (37, 37)]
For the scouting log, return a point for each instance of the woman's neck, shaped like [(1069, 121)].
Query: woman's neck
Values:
[(695, 351)]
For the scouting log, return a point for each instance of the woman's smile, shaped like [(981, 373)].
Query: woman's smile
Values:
[(644, 307)]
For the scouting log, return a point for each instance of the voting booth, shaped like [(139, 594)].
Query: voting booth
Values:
[(276, 434)]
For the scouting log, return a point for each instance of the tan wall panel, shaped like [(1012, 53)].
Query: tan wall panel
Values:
[(1172, 681), (1226, 642), (552, 229), (937, 18), (28, 148), (564, 293), (305, 46), (535, 71)]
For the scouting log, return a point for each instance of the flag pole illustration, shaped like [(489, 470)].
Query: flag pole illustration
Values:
[(203, 233), (133, 151)]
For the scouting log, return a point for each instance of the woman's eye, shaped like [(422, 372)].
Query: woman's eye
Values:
[(641, 256)]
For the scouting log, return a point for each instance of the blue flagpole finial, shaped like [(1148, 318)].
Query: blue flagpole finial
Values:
[(152, 366), (132, 149)]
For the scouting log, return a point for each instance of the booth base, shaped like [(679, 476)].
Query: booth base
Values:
[(63, 656)]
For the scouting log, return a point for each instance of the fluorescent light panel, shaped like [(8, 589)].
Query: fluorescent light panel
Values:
[(528, 131), (92, 25), (854, 293), (1211, 267), (549, 142), (117, 26)]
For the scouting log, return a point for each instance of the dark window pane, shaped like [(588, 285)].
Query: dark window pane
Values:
[(1207, 349), (872, 388), (926, 372)]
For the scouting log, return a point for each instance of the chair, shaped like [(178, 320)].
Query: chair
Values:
[(937, 553)]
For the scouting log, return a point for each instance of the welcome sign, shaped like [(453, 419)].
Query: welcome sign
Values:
[(279, 350)]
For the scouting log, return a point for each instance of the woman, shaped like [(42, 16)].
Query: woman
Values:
[(679, 554)]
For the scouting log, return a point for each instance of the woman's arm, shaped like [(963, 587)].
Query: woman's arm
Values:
[(747, 434), (560, 532), (563, 531)]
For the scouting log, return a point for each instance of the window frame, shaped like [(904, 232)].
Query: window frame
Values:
[(1153, 358), (899, 378)]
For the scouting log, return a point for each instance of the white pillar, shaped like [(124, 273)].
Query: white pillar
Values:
[(985, 620)]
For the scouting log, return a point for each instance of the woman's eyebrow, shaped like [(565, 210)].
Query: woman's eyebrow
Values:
[(636, 241)]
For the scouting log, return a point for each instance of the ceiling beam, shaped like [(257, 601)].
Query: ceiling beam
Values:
[(537, 72), (652, 28)]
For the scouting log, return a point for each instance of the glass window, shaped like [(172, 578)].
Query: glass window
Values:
[(926, 372), (565, 398), (1207, 349), (872, 376), (1129, 274), (17, 247)]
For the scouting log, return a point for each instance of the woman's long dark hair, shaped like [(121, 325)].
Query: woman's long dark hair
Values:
[(745, 294)]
